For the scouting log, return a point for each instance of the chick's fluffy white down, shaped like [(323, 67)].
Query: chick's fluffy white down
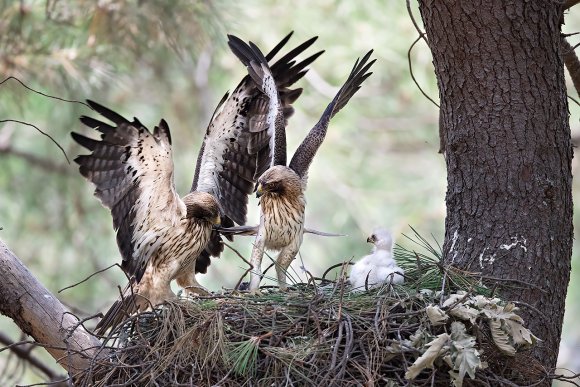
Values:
[(379, 266)]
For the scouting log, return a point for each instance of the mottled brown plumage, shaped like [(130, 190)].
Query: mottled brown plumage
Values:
[(281, 189), (161, 236)]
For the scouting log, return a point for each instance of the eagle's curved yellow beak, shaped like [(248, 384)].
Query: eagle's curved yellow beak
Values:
[(259, 190)]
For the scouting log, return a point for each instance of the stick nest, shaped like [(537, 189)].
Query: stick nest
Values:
[(438, 328)]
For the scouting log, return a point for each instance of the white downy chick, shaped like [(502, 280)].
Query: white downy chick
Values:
[(379, 266)]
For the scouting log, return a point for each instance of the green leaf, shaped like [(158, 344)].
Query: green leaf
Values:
[(244, 356)]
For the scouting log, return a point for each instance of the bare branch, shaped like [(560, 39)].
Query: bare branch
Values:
[(572, 63), (44, 94), (570, 3), (41, 315), (24, 351), (43, 133)]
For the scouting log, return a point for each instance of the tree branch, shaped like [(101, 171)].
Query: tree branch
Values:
[(41, 315), (572, 63), (24, 352), (570, 3)]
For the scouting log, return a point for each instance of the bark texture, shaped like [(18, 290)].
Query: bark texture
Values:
[(506, 139), (41, 315)]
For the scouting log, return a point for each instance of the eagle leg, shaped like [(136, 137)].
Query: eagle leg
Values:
[(256, 262), (192, 288), (283, 262)]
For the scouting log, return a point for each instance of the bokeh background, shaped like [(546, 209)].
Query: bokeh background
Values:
[(155, 59)]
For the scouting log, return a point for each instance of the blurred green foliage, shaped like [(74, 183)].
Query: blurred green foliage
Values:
[(156, 59)]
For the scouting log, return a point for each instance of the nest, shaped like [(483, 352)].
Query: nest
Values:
[(440, 327)]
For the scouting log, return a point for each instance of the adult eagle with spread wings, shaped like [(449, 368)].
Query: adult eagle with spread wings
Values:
[(281, 188), (161, 236)]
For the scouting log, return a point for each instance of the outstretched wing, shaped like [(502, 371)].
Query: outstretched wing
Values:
[(305, 153), (235, 150), (273, 125), (132, 170), (236, 147)]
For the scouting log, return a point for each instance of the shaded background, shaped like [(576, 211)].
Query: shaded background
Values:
[(378, 165)]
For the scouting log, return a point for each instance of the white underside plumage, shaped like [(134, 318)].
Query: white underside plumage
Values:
[(377, 268), (270, 89), (281, 229), (173, 256)]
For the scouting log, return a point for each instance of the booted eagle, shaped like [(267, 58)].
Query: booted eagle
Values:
[(281, 188), (161, 236), (378, 267)]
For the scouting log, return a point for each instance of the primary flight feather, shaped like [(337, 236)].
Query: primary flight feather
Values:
[(160, 235), (281, 188)]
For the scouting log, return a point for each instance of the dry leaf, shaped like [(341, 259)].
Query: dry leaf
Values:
[(437, 347)]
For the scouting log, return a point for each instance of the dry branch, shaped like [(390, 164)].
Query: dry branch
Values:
[(41, 315), (572, 63), (24, 351)]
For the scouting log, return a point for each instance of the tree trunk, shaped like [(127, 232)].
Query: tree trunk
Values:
[(506, 140), (39, 314)]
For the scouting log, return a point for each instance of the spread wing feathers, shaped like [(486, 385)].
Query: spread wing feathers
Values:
[(132, 170), (273, 122), (235, 148), (305, 153)]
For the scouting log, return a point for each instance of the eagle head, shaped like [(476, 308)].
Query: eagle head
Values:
[(202, 206), (381, 238), (279, 181)]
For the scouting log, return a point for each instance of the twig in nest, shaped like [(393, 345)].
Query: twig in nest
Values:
[(250, 268), (334, 267)]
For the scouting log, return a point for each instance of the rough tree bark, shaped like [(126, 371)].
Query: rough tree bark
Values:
[(41, 315), (506, 140)]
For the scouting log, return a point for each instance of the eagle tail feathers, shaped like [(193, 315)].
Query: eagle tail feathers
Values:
[(120, 311)]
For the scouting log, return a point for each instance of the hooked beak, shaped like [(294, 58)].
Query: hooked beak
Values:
[(259, 190), (371, 239)]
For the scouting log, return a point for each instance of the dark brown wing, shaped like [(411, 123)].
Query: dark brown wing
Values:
[(238, 135), (132, 170), (271, 123), (305, 153), (236, 147)]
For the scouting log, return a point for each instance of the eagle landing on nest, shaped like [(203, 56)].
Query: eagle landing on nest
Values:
[(281, 188), (160, 235)]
